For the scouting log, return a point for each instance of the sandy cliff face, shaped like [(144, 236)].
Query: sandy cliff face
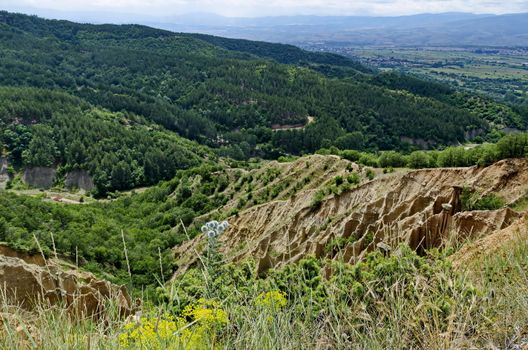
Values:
[(490, 244), (421, 208), (4, 177), (39, 177), (27, 280), (79, 179)]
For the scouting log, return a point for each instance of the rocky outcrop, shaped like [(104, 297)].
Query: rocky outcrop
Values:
[(417, 142), (3, 165), (79, 179), (471, 134), (40, 177), (421, 208), (475, 224), (35, 259), (490, 244), (4, 176), (27, 281)]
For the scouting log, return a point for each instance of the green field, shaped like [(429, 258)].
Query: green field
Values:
[(501, 73)]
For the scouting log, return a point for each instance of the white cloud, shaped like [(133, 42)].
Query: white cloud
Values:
[(271, 7)]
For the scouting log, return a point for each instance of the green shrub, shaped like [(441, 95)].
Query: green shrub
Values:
[(391, 159), (453, 157), (287, 159), (354, 178), (368, 160), (418, 160), (368, 238), (339, 243), (472, 200), (513, 146), (317, 199), (350, 155)]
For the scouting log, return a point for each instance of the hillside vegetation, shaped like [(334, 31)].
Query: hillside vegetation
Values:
[(169, 214), (400, 300), (240, 236), (227, 94), (121, 150)]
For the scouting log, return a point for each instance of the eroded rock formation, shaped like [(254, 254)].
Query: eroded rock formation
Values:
[(40, 177), (421, 208), (79, 179), (490, 244), (4, 176), (29, 280)]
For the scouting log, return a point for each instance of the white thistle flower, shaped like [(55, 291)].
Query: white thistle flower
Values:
[(214, 229)]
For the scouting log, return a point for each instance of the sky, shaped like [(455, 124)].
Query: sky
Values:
[(137, 9)]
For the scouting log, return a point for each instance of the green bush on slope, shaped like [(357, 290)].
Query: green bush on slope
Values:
[(399, 301), (355, 300)]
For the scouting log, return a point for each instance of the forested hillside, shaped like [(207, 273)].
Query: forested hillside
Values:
[(282, 53), (115, 100), (119, 149), (93, 232), (171, 213), (195, 188)]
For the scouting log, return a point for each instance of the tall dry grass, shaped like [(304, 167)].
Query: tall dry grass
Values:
[(422, 312)]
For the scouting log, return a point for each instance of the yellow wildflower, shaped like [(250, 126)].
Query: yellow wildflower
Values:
[(206, 312), (273, 300), (168, 332)]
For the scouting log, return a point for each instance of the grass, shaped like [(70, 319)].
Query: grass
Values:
[(503, 276), (386, 301), (521, 204), (53, 328), (403, 302), (491, 73)]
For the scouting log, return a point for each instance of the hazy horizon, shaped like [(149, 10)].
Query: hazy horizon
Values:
[(139, 10)]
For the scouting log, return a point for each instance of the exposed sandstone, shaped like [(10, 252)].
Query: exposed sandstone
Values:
[(40, 177), (79, 179), (35, 259), (26, 281), (421, 208), (4, 176), (490, 244)]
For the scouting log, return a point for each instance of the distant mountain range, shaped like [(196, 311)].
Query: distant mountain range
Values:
[(441, 29), (446, 29)]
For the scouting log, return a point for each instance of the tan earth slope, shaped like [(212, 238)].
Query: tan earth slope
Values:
[(421, 208), (27, 281), (275, 180), (488, 245)]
